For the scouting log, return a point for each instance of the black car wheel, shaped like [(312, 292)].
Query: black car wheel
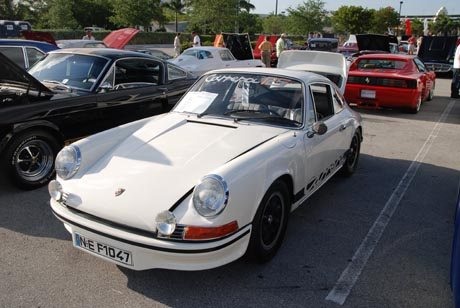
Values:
[(30, 158), (270, 222), (416, 109), (351, 162)]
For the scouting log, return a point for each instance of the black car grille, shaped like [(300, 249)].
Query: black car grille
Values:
[(383, 82)]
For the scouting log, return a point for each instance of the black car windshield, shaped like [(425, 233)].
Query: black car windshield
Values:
[(72, 70), (260, 98)]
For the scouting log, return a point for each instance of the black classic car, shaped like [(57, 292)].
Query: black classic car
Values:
[(438, 52), (73, 93)]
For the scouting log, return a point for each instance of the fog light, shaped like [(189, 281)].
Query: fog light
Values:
[(166, 222), (55, 190)]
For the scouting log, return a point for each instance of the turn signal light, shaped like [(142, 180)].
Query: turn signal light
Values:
[(207, 233)]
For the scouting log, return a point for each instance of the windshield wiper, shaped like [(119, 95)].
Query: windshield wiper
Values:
[(58, 83)]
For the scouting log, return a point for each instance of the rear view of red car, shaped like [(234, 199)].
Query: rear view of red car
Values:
[(389, 80)]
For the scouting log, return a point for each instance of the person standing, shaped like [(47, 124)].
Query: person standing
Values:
[(266, 51), (88, 36), (280, 44), (196, 40), (411, 45), (177, 45), (455, 85)]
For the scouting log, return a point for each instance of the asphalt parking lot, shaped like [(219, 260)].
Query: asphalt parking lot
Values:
[(381, 238)]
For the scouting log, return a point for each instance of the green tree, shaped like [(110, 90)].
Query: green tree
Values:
[(274, 24), (136, 12), (213, 16), (383, 19), (93, 12), (249, 23), (60, 15), (444, 25), (177, 6), (352, 19), (7, 9), (307, 17)]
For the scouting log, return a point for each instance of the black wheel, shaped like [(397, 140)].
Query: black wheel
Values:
[(29, 158), (270, 222), (351, 162), (416, 109)]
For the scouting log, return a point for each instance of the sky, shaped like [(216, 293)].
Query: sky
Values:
[(409, 7)]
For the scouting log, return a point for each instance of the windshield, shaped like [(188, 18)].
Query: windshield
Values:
[(250, 97), (71, 70), (381, 64)]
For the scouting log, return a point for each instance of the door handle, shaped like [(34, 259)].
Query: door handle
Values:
[(343, 127)]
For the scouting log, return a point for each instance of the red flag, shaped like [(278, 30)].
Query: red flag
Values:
[(408, 29)]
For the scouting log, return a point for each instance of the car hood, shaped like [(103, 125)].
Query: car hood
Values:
[(437, 48), (159, 163), (119, 38), (39, 36), (320, 62), (14, 75), (373, 42)]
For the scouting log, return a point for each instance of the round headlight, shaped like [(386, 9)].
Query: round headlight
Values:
[(68, 161), (55, 190), (166, 222), (210, 196)]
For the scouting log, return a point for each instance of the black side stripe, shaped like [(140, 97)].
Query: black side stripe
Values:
[(299, 195), (175, 205), (141, 245)]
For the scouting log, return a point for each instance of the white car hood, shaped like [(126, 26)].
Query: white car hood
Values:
[(321, 62), (159, 164)]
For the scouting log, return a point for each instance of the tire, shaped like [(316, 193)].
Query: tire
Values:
[(29, 158), (416, 109), (351, 162), (269, 224), (431, 94)]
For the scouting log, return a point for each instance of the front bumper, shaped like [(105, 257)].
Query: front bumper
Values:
[(148, 253)]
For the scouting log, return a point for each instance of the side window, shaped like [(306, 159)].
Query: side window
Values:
[(339, 101), (323, 101), (226, 55), (137, 73), (204, 54), (175, 73), (15, 54), (421, 67), (33, 55)]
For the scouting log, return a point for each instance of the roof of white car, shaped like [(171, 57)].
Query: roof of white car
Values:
[(208, 48), (305, 76)]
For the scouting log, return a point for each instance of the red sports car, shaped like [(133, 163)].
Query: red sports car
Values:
[(389, 80)]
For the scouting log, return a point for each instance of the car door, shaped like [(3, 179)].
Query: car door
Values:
[(132, 89), (324, 153)]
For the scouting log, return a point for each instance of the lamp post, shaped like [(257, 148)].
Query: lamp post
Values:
[(276, 8), (400, 5)]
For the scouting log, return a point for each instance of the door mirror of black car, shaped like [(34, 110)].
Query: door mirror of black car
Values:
[(318, 128)]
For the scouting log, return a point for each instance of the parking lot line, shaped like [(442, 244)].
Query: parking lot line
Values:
[(350, 275)]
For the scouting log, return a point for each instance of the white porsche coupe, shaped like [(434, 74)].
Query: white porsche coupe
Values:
[(214, 179)]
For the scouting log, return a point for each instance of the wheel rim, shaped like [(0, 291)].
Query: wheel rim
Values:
[(353, 152), (272, 220), (34, 160)]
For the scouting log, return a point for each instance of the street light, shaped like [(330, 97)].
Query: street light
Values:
[(400, 5), (276, 8)]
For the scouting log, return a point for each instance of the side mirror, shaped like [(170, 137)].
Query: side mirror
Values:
[(318, 128)]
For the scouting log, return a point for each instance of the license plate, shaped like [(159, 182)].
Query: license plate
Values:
[(368, 93), (110, 252), (313, 45)]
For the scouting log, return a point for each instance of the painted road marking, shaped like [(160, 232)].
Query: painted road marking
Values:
[(350, 275)]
